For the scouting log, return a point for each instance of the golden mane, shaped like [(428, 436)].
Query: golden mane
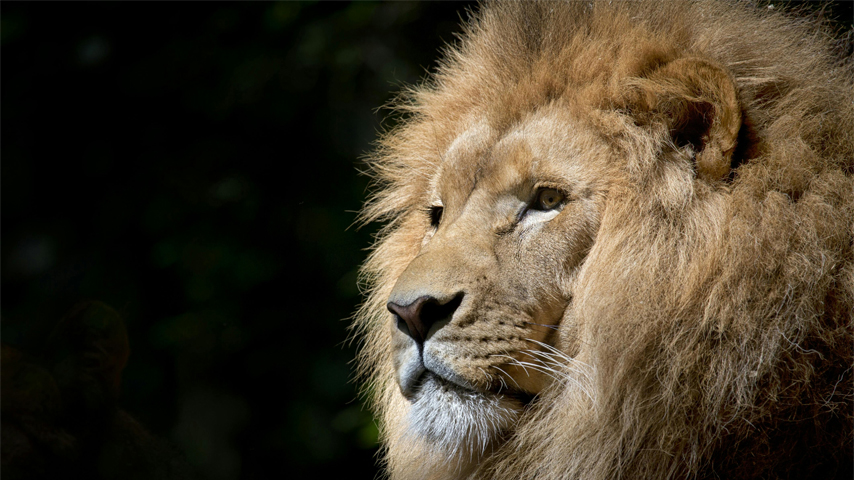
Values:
[(723, 338)]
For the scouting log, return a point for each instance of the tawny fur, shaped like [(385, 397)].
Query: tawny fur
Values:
[(720, 333)]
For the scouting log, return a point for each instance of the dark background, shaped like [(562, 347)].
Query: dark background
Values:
[(194, 165)]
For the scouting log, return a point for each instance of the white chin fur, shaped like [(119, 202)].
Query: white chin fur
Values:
[(460, 423)]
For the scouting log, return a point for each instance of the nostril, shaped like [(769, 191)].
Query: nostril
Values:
[(416, 318), (401, 324), (433, 312)]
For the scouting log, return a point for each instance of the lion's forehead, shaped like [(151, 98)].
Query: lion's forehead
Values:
[(546, 147)]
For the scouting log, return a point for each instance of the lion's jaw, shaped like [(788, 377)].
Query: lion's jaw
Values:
[(497, 274)]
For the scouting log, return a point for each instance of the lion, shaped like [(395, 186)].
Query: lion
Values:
[(617, 244)]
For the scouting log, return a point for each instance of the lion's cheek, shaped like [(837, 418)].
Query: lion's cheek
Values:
[(569, 336)]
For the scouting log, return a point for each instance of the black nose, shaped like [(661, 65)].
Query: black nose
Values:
[(416, 318)]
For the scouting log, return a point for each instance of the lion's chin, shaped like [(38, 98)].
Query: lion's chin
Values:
[(462, 423)]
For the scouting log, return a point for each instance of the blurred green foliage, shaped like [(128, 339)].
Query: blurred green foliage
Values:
[(195, 166)]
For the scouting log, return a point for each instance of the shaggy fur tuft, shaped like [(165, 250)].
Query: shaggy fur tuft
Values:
[(715, 313)]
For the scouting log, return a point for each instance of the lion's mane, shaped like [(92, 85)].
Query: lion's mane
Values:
[(720, 319)]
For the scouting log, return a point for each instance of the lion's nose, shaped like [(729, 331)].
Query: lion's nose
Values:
[(416, 318)]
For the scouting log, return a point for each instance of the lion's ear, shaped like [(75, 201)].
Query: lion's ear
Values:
[(696, 100)]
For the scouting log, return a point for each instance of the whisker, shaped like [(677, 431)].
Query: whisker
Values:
[(513, 361), (563, 379), (506, 375), (558, 352), (553, 327)]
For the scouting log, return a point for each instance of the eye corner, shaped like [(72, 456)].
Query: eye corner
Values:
[(434, 212)]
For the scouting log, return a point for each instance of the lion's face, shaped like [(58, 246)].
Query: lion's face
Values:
[(618, 245), (477, 313)]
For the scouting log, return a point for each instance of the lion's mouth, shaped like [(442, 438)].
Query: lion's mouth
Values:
[(421, 368), (464, 388), (427, 376)]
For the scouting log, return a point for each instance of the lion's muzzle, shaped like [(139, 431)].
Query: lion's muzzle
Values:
[(419, 320)]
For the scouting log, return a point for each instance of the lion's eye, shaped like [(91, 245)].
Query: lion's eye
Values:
[(436, 215), (547, 199)]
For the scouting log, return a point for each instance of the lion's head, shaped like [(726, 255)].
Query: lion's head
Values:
[(619, 243)]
